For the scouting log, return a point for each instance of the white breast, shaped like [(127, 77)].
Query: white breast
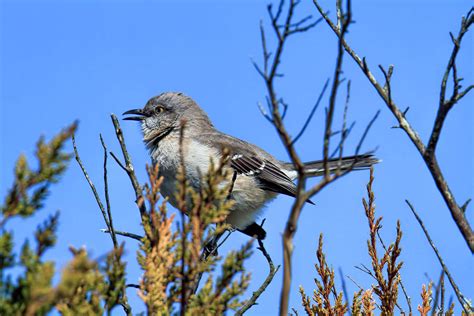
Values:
[(248, 197), (196, 158)]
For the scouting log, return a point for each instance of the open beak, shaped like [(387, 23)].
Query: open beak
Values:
[(140, 115)]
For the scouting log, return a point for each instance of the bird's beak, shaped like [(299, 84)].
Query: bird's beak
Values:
[(139, 112)]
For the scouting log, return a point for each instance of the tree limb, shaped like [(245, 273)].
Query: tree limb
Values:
[(427, 153)]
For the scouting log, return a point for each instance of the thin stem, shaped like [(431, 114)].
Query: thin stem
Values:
[(106, 192), (125, 234), (271, 273), (129, 168), (428, 155), (462, 300), (94, 190)]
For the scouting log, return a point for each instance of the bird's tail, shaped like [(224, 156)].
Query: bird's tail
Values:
[(357, 162)]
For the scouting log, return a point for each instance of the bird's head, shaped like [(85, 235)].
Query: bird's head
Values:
[(164, 114)]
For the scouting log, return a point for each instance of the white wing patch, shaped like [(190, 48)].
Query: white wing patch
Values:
[(255, 167)]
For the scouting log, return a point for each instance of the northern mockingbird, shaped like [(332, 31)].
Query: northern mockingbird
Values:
[(260, 176)]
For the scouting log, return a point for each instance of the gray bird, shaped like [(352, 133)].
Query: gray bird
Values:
[(260, 176)]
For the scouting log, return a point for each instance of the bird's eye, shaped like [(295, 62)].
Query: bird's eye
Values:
[(159, 109)]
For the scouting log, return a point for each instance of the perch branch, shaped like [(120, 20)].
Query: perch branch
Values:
[(271, 273)]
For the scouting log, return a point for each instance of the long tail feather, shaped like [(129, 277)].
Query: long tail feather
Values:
[(358, 162)]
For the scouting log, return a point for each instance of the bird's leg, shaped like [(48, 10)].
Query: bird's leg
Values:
[(210, 248)]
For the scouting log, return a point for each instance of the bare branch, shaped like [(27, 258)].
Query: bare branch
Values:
[(428, 155), (106, 215), (465, 304), (437, 295), (283, 27), (345, 21), (344, 132), (125, 234), (94, 190), (128, 167), (182, 209), (366, 131), (106, 192), (446, 105), (271, 273), (388, 84), (344, 135), (264, 113), (310, 116)]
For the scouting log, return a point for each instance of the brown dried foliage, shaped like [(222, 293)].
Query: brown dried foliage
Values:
[(387, 285), (425, 307), (326, 302), (384, 269), (172, 258)]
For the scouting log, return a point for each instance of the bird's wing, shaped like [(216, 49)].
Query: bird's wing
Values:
[(249, 160), (270, 177)]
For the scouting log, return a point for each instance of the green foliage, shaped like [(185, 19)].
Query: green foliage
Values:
[(31, 292), (86, 287), (114, 272), (81, 287), (31, 187), (172, 259)]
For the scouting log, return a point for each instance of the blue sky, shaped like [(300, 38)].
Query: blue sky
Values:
[(62, 61)]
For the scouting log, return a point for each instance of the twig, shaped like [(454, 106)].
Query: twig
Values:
[(107, 216), (310, 116), (355, 283), (437, 295), (125, 234), (365, 269), (234, 177), (106, 192), (272, 271), (290, 229), (462, 300), (442, 294), (344, 131), (344, 136), (212, 246), (182, 210), (209, 248), (345, 20), (366, 131), (128, 167), (229, 232), (94, 190), (117, 160), (283, 27), (429, 156), (360, 287), (446, 105)]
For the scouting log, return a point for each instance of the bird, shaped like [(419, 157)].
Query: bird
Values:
[(259, 177)]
